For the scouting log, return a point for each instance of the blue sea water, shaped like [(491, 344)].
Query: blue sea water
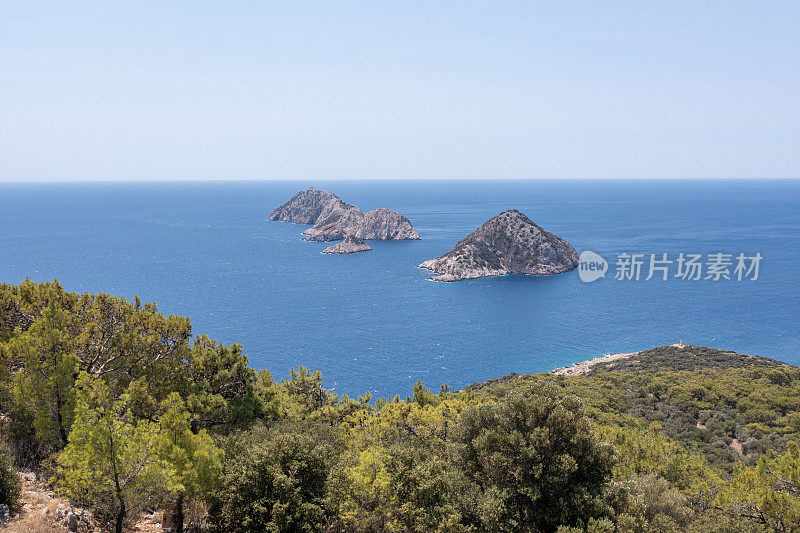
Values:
[(371, 321)]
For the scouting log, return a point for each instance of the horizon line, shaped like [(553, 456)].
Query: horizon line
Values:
[(454, 178)]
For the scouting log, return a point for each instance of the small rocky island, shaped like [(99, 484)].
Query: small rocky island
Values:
[(350, 245), (509, 243), (335, 219)]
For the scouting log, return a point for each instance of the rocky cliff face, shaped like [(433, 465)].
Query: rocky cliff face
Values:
[(509, 243), (336, 223), (386, 225), (334, 219), (306, 207), (350, 245)]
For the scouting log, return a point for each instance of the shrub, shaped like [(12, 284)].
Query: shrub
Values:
[(10, 484), (537, 459), (275, 480), (397, 488), (648, 503)]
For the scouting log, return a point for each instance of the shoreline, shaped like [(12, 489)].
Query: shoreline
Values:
[(583, 367)]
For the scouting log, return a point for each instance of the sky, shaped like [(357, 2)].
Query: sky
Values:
[(399, 89)]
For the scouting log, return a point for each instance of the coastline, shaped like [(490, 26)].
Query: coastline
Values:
[(583, 367)]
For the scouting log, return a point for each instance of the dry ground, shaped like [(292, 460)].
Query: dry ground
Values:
[(44, 512)]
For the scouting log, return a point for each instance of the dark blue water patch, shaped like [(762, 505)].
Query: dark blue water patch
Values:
[(372, 321)]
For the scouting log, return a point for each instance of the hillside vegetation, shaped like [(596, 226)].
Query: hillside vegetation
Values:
[(125, 411)]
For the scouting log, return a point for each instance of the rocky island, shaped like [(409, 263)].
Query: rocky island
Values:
[(509, 243), (334, 219), (350, 245)]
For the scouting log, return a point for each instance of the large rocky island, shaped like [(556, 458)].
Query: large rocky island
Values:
[(509, 243), (335, 219)]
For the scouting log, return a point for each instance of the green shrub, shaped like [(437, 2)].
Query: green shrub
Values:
[(275, 480), (537, 461), (10, 484), (397, 488)]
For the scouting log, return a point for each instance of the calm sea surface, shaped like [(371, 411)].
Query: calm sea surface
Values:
[(371, 321)]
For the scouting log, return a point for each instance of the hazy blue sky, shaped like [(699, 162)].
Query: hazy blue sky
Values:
[(273, 90)]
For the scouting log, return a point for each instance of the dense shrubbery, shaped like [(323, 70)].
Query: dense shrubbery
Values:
[(127, 411), (534, 460), (276, 479)]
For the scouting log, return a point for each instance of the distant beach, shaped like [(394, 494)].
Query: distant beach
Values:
[(584, 366)]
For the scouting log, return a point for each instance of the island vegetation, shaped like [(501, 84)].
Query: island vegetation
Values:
[(123, 411)]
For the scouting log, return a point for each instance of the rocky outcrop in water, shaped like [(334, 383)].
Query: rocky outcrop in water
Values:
[(334, 219), (350, 245), (509, 243)]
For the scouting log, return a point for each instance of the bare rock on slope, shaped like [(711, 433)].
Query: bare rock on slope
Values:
[(306, 207), (338, 222), (386, 225)]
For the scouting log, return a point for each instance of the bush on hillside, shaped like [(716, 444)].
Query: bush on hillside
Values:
[(10, 484), (275, 480), (537, 460)]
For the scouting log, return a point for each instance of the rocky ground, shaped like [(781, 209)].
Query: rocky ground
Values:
[(44, 512)]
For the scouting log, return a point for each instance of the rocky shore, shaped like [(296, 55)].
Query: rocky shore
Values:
[(509, 243)]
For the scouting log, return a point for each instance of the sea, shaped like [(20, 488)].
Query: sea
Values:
[(373, 322)]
